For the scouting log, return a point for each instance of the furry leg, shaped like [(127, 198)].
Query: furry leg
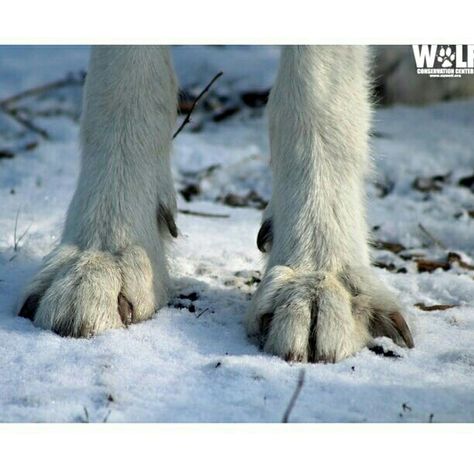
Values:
[(110, 268), (318, 299)]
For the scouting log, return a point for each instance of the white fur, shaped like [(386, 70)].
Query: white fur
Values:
[(319, 114), (114, 239), (318, 287)]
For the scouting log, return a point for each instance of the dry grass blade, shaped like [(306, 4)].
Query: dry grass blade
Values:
[(16, 239), (431, 236)]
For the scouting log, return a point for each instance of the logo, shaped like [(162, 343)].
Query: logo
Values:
[(450, 60)]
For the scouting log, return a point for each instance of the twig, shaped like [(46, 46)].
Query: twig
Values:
[(435, 307), (203, 214), (6, 104), (295, 396), (202, 312), (106, 417), (431, 236), (187, 119), (25, 122), (69, 81), (86, 413)]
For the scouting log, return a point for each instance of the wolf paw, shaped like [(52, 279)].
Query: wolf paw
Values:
[(320, 316), (81, 293)]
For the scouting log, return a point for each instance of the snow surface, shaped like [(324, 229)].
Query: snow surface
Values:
[(199, 366)]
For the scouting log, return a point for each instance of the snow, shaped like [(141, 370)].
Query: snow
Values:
[(192, 361)]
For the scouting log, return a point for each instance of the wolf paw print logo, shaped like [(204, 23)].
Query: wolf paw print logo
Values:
[(448, 60), (446, 56)]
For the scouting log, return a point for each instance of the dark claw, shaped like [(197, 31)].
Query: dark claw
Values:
[(30, 306), (401, 327), (326, 359), (312, 332), (291, 357), (265, 322), (165, 215), (265, 236), (125, 309)]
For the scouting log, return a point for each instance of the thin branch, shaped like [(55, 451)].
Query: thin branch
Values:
[(432, 237), (203, 214), (86, 418), (106, 417), (202, 312), (435, 307), (25, 122), (295, 396), (187, 119), (69, 81), (6, 105)]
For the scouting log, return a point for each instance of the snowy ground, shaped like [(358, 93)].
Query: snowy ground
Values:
[(192, 361)]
